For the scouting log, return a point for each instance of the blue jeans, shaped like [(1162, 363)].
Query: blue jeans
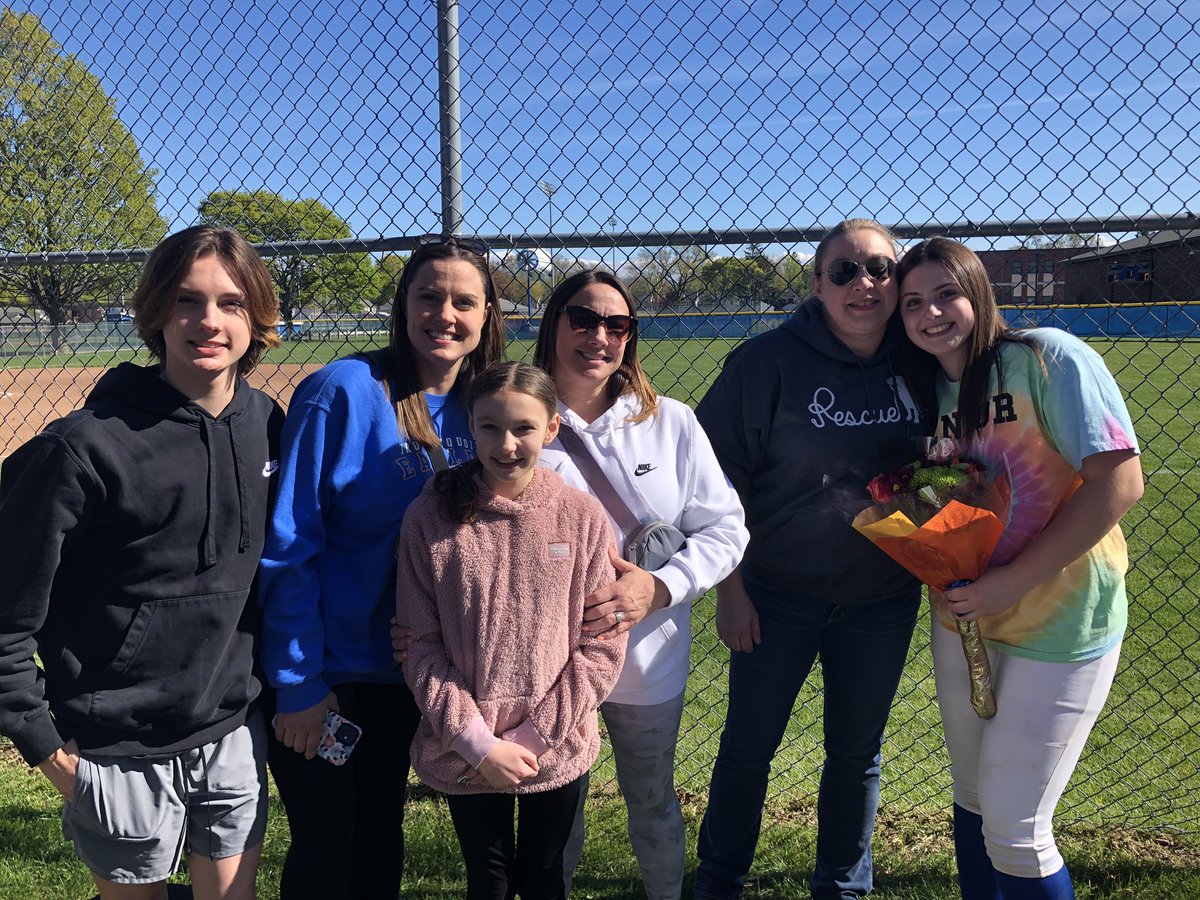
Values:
[(863, 648)]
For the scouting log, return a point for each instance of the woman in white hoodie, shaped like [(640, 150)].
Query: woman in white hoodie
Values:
[(661, 465)]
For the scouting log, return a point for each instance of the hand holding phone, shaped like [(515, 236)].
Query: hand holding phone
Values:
[(338, 739)]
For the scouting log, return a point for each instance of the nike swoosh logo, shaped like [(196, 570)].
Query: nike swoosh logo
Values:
[(643, 468), (270, 467)]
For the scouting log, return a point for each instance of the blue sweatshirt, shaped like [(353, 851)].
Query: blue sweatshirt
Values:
[(329, 569)]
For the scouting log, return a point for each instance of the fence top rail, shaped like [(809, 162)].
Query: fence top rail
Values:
[(704, 237)]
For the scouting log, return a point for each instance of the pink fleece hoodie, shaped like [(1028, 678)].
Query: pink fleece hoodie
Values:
[(496, 612)]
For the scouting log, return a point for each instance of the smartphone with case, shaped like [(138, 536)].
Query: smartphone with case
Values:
[(338, 739)]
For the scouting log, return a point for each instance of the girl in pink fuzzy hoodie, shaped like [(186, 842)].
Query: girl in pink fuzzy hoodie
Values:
[(495, 559)]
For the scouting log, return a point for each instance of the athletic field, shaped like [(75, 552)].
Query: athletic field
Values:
[(1137, 785)]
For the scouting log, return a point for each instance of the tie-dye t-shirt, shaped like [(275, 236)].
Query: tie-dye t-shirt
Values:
[(1040, 428)]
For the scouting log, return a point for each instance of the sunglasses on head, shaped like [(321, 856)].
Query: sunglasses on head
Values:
[(878, 268), (584, 321), (471, 245)]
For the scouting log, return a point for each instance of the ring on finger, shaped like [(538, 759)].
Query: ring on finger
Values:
[(619, 615)]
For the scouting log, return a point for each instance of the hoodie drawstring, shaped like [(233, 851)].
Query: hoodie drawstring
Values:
[(239, 469), (210, 537)]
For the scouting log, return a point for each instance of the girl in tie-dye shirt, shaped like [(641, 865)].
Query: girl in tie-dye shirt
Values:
[(1041, 406)]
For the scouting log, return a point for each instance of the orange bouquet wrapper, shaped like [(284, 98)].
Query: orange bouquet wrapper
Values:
[(949, 544), (955, 544)]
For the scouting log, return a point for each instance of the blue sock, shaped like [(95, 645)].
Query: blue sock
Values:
[(1053, 887), (976, 877)]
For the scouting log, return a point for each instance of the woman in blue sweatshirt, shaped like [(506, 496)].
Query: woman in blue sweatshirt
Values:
[(362, 437)]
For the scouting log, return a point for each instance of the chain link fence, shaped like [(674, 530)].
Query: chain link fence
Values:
[(699, 150)]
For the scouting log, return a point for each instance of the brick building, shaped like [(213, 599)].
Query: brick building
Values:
[(1158, 268), (1028, 275)]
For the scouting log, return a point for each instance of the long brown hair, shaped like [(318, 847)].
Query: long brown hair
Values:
[(966, 272), (459, 486), (398, 365), (630, 377), (170, 262)]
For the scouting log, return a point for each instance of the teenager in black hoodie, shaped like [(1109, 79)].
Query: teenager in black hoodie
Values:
[(132, 530), (819, 399)]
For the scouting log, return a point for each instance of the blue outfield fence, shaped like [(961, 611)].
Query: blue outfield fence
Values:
[(677, 326), (1150, 321), (1155, 321)]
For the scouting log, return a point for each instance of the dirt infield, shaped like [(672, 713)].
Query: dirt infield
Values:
[(29, 398)]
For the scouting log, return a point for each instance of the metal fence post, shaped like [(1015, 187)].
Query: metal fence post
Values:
[(449, 120)]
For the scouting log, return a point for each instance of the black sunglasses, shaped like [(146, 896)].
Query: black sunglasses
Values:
[(471, 245), (843, 271), (583, 321)]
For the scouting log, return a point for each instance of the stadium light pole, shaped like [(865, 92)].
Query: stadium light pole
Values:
[(612, 224), (548, 188), (527, 260)]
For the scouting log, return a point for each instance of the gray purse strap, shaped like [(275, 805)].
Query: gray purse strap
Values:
[(596, 479)]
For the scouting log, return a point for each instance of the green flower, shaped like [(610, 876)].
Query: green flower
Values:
[(942, 479)]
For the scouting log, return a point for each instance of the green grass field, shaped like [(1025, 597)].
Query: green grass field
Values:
[(1131, 817), (913, 855)]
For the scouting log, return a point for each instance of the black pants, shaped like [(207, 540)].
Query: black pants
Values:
[(503, 863), (347, 821)]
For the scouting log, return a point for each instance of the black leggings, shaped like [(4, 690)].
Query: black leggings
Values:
[(503, 862), (347, 821)]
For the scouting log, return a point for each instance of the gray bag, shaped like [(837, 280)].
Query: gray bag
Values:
[(648, 545), (651, 545)]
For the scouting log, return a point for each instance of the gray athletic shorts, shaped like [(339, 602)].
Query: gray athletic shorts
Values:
[(133, 817)]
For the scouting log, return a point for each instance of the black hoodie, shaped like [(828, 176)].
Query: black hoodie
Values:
[(131, 531), (793, 417)]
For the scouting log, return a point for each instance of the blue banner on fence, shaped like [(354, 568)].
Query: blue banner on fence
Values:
[(1148, 322)]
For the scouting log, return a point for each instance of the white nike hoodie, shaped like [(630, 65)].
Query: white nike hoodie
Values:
[(663, 468)]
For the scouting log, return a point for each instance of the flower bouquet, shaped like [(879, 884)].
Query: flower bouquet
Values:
[(940, 518)]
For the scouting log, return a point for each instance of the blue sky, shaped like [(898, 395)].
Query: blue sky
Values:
[(734, 114)]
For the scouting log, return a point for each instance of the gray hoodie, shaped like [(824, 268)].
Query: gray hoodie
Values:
[(793, 412)]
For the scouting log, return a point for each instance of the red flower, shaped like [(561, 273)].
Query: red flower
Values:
[(882, 488), (886, 486)]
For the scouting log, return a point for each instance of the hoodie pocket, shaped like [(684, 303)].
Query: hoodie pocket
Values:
[(182, 663)]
